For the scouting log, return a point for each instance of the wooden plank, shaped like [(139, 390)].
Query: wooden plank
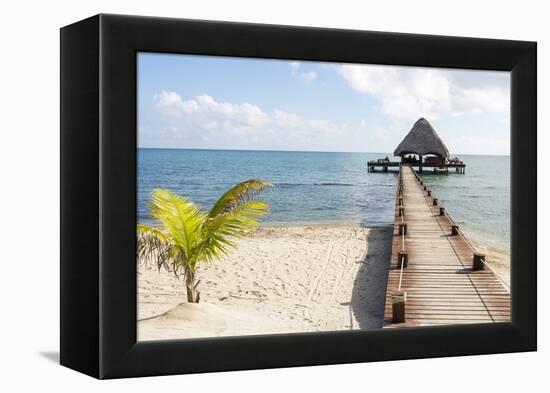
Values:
[(440, 285)]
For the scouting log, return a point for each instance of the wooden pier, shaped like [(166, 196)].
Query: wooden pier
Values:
[(383, 166), (436, 276)]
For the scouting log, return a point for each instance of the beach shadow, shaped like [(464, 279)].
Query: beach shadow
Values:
[(52, 356), (369, 289)]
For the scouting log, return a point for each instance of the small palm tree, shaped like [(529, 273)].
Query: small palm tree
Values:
[(185, 235)]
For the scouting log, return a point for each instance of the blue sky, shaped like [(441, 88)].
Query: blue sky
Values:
[(208, 102)]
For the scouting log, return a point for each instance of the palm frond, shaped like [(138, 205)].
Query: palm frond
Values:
[(236, 195), (220, 232), (180, 218), (154, 245), (185, 235)]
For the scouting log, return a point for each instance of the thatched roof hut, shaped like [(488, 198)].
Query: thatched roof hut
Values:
[(422, 139)]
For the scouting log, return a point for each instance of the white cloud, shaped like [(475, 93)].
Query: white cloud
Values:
[(295, 65), (309, 76), (209, 119), (205, 112), (410, 93)]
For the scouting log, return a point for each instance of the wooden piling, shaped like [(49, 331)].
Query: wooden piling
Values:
[(402, 259), (398, 300), (477, 263)]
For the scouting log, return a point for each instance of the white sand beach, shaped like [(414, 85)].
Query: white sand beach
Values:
[(283, 279)]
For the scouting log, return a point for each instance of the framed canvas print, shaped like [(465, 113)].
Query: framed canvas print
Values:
[(298, 196)]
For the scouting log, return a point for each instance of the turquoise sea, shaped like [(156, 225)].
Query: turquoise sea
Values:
[(320, 187)]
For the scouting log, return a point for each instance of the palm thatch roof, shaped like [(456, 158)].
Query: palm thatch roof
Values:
[(422, 139)]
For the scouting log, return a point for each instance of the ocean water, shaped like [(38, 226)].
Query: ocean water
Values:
[(319, 187), (479, 201)]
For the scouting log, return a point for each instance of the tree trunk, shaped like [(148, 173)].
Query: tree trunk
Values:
[(193, 295)]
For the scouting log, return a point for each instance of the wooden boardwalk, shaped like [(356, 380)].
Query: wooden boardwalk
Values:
[(441, 286), (384, 165)]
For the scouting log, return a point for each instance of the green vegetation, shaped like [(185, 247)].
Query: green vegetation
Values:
[(184, 235)]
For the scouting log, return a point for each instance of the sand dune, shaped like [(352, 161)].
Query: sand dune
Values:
[(281, 280)]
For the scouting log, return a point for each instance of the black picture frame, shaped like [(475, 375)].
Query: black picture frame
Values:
[(98, 195)]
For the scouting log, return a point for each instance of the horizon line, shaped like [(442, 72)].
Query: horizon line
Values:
[(299, 151)]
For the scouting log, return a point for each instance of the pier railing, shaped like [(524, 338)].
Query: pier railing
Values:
[(384, 165), (460, 247), (398, 296), (479, 259)]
